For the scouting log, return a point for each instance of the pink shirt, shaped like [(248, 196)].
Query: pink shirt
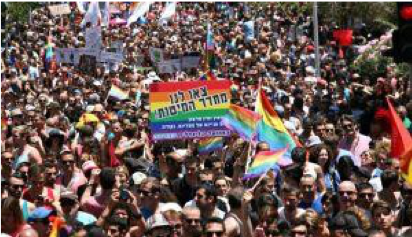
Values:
[(359, 145)]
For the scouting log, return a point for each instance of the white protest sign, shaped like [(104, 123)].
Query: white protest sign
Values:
[(67, 55), (61, 9), (94, 38), (118, 45), (190, 62), (156, 55), (111, 57), (165, 67)]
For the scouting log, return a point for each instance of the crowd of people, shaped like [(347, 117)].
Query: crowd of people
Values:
[(69, 153)]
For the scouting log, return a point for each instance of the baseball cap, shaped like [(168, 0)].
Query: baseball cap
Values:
[(157, 221)]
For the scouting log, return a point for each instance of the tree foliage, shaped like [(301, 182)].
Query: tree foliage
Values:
[(20, 11)]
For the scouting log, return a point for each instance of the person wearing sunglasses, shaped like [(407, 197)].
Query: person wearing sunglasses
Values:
[(15, 189), (37, 193), (353, 140), (71, 177), (366, 196), (191, 222), (214, 227), (347, 195)]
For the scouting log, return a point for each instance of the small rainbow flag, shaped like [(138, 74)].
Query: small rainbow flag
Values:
[(211, 144), (57, 225), (3, 123), (271, 128), (406, 165), (263, 162), (242, 121), (117, 93), (210, 43), (208, 76)]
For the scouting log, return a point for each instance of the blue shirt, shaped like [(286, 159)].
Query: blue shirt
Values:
[(315, 205)]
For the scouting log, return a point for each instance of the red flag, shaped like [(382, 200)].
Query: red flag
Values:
[(406, 165), (400, 137)]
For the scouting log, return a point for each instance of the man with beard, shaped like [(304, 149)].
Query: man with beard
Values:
[(206, 200), (191, 222), (16, 186)]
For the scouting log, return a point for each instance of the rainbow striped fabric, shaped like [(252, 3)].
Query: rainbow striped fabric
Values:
[(117, 93), (263, 162), (271, 128), (211, 144), (406, 165), (3, 123), (210, 44), (242, 121), (57, 225)]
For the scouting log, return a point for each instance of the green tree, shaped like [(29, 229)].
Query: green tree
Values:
[(20, 11)]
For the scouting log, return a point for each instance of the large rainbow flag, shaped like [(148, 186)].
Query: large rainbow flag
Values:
[(263, 162), (406, 165), (241, 121), (211, 144), (271, 128)]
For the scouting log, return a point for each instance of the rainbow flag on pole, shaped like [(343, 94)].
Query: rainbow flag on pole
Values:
[(263, 162), (211, 144), (241, 121), (117, 93), (406, 165), (271, 128)]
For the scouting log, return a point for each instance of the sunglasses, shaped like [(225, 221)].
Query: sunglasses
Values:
[(16, 186), (192, 221), (341, 193), (214, 233), (363, 195), (67, 162)]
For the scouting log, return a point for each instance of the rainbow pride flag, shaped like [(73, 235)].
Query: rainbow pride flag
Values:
[(211, 144), (271, 128), (57, 225), (263, 162), (406, 165), (242, 121), (3, 123), (210, 43), (117, 93)]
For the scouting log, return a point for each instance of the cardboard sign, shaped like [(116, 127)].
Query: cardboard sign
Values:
[(110, 57), (62, 9), (188, 110), (94, 38)]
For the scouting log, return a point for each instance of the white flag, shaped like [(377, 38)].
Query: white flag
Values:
[(169, 11), (80, 6), (106, 14), (139, 11), (92, 15)]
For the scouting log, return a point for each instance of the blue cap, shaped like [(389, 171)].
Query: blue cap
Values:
[(85, 218), (39, 213)]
